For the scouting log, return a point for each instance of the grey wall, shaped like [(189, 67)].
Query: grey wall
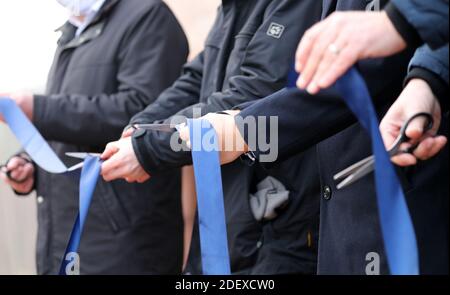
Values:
[(17, 220)]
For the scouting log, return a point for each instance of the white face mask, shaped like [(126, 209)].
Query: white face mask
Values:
[(77, 7)]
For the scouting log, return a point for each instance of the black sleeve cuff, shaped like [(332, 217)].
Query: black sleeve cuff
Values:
[(143, 156), (154, 152), (254, 154), (244, 105), (437, 85), (403, 27)]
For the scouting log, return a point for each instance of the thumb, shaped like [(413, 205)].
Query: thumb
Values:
[(128, 133), (110, 150), (416, 128), (184, 134)]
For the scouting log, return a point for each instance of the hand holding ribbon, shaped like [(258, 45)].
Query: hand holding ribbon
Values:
[(41, 153), (211, 211)]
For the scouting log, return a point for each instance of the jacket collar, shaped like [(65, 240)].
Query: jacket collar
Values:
[(68, 30)]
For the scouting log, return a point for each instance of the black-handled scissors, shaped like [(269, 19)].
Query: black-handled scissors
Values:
[(4, 169), (366, 166)]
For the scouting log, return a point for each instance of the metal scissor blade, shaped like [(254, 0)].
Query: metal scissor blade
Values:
[(159, 127), (82, 156), (76, 167), (365, 169), (354, 168)]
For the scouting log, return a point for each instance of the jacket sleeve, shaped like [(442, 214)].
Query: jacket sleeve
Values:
[(321, 116), (257, 78), (326, 114), (432, 66), (421, 21), (183, 93), (150, 59)]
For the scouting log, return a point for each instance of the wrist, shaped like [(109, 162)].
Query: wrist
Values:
[(435, 84), (402, 26), (422, 89)]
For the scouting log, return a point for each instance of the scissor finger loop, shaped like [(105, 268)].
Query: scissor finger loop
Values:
[(402, 138), (357, 171)]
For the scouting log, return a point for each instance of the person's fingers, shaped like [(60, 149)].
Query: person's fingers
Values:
[(327, 62), (138, 177), (332, 57), (404, 160), (17, 174), (422, 151), (130, 180), (22, 172), (233, 113), (27, 171), (19, 187), (27, 186), (128, 132), (121, 172), (229, 157), (416, 128), (321, 46), (345, 60), (143, 179), (430, 147), (111, 149), (439, 143), (15, 163), (389, 133), (306, 44), (188, 144), (108, 167), (184, 133), (116, 168)]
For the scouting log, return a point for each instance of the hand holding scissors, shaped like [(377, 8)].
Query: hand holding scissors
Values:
[(364, 167), (18, 172), (14, 169)]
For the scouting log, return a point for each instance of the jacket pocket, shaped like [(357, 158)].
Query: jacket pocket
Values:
[(114, 210)]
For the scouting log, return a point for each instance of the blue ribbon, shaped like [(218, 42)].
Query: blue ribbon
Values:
[(396, 224), (211, 210), (41, 153), (89, 176), (30, 138)]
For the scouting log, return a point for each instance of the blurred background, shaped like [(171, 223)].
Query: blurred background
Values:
[(27, 43)]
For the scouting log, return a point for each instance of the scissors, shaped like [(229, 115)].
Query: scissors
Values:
[(367, 165), (4, 169), (81, 156), (169, 128), (155, 127)]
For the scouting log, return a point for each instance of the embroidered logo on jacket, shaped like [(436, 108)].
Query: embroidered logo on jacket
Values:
[(275, 30)]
